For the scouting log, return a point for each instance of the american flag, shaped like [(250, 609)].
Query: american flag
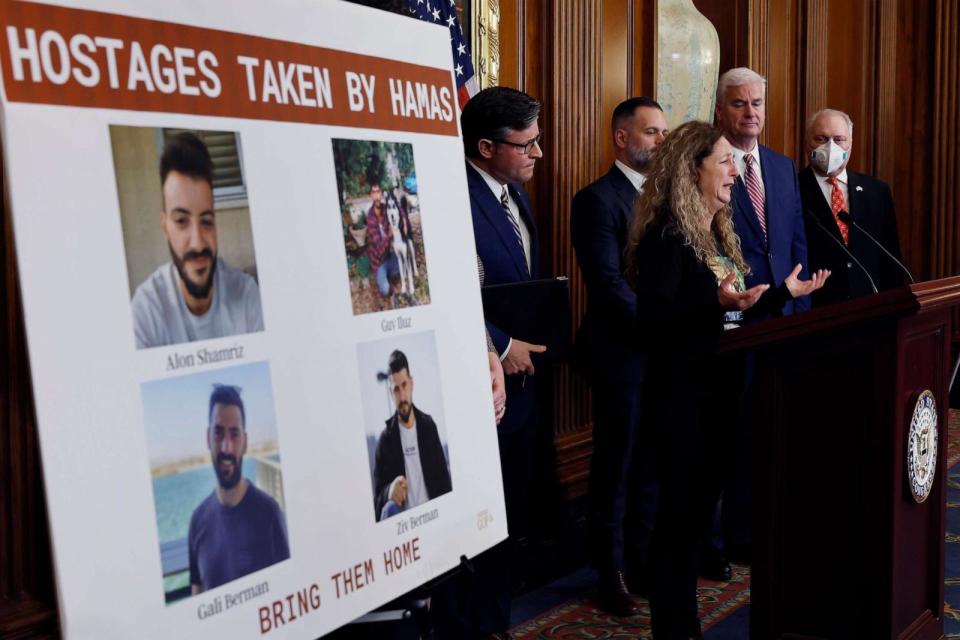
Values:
[(445, 12)]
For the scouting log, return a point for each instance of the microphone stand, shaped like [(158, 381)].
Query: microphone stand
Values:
[(842, 246), (848, 220)]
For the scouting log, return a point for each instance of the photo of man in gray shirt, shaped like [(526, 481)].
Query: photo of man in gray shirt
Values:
[(196, 295)]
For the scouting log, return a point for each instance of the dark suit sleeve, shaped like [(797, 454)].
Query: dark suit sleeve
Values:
[(658, 274), (595, 239), (381, 469), (499, 338), (670, 305), (799, 244), (440, 474), (771, 301)]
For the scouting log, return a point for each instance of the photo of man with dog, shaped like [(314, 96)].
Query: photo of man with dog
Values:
[(382, 233)]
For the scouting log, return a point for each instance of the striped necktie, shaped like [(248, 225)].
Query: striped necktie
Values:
[(505, 203), (756, 192), (836, 206)]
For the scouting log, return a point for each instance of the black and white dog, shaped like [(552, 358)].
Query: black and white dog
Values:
[(402, 243)]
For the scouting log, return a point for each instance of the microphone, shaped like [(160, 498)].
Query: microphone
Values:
[(843, 247), (848, 220)]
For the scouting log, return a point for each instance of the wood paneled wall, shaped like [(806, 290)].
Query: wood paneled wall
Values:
[(891, 64), (945, 185), (580, 58)]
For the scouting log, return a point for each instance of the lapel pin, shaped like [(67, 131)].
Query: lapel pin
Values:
[(859, 188)]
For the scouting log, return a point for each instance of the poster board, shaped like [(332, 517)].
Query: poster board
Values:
[(213, 352)]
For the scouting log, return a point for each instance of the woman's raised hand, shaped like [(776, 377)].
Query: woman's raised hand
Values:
[(799, 287), (733, 300)]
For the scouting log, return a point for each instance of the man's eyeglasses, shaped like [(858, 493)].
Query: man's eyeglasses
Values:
[(524, 147)]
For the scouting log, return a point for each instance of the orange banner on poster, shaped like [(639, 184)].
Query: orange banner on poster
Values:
[(73, 57)]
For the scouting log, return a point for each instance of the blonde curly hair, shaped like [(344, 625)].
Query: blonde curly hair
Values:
[(671, 197)]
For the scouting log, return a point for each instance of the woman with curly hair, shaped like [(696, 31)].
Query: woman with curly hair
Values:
[(688, 269)]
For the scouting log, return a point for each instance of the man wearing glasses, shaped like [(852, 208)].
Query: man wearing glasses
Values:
[(501, 141), (237, 529)]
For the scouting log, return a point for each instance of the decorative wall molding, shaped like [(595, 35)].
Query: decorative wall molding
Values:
[(485, 41), (773, 51), (815, 57), (945, 226), (758, 51), (574, 160), (886, 138)]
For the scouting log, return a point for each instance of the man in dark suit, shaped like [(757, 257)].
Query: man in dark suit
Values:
[(768, 217), (827, 188), (622, 497), (501, 142)]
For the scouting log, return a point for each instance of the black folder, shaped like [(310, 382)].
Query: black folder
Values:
[(535, 311)]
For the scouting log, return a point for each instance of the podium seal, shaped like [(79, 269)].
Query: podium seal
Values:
[(922, 447)]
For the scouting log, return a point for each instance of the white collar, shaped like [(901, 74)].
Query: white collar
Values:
[(841, 177), (495, 185), (635, 177), (738, 154)]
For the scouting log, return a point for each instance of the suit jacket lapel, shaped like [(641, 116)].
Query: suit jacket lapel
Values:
[(624, 190), (855, 206), (741, 201), (493, 211), (774, 221)]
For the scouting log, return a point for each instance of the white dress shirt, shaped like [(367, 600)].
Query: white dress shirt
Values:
[(635, 177), (497, 188), (827, 189)]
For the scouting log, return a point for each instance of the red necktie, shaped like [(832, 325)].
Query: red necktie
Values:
[(836, 206), (755, 191)]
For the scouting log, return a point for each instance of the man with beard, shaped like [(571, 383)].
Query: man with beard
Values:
[(195, 296), (622, 495), (237, 529), (410, 467)]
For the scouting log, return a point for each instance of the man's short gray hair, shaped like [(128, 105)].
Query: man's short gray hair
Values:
[(737, 78), (831, 112)]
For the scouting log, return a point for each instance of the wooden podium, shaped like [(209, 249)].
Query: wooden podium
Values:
[(842, 550)]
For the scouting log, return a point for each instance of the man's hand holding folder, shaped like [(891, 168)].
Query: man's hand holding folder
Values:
[(517, 359), (536, 315)]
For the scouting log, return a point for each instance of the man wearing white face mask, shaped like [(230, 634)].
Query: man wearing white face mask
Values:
[(827, 189)]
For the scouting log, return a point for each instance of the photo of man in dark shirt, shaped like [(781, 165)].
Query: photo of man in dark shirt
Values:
[(237, 529), (410, 467)]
